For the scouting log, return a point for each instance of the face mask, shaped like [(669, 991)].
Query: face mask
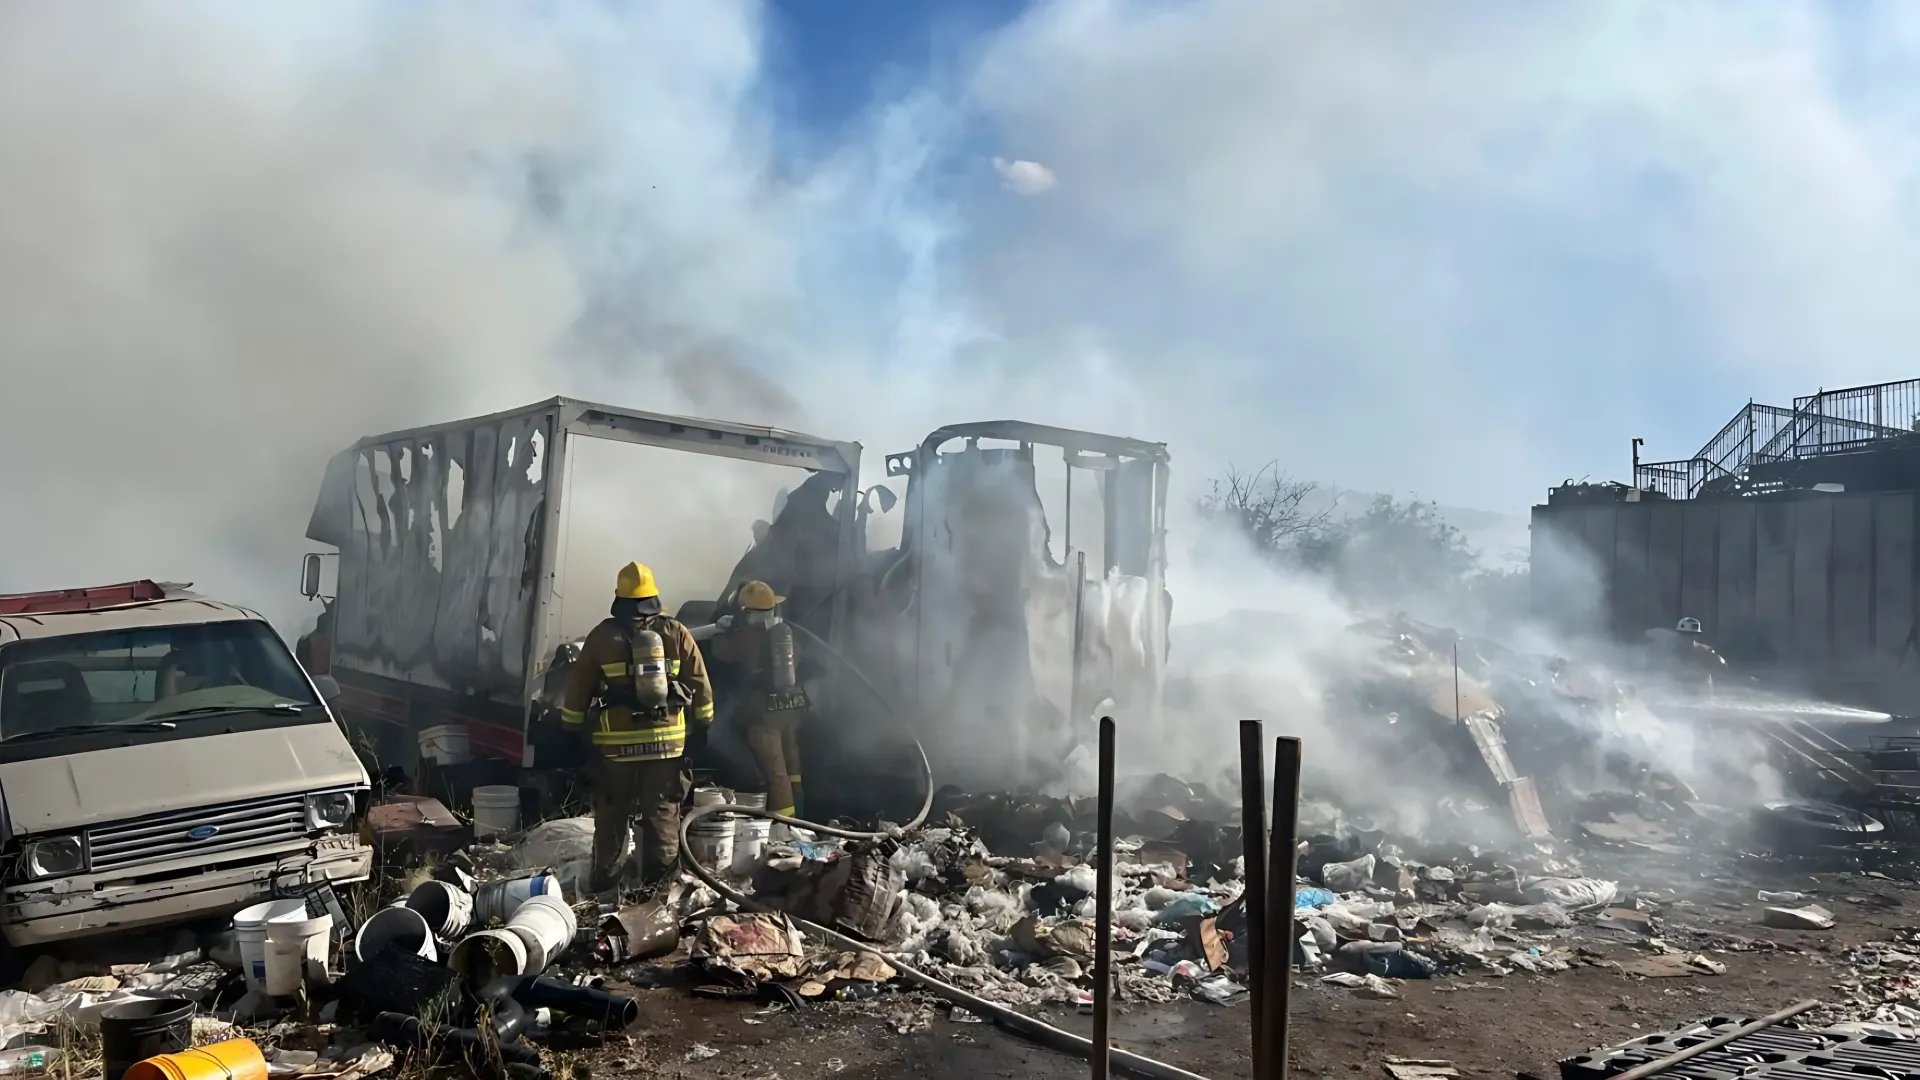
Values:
[(761, 618)]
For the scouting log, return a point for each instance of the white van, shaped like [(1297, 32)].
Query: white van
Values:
[(163, 758)]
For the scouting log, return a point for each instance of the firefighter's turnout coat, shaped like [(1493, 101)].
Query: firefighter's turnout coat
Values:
[(602, 681)]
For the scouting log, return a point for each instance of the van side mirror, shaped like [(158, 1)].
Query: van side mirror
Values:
[(328, 686), (310, 576)]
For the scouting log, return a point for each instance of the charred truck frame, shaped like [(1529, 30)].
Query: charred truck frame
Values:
[(449, 541), (446, 607)]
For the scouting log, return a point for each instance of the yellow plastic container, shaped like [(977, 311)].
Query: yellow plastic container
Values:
[(235, 1059)]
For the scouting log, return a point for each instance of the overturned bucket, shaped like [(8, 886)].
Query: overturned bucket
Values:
[(546, 925), (486, 955), (397, 927), (235, 1059), (498, 901), (447, 909)]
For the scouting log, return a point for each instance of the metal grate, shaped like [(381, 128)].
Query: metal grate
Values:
[(199, 831)]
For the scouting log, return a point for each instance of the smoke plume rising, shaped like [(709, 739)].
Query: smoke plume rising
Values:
[(1456, 256)]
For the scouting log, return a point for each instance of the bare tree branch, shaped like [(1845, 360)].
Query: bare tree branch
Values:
[(1267, 505)]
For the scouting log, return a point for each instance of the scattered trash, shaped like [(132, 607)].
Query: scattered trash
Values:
[(702, 1052), (1811, 917), (1420, 1069)]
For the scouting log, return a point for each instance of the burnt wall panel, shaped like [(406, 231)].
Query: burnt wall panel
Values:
[(1850, 605), (1667, 534), (441, 554), (1893, 577), (1812, 580), (1773, 580), (1699, 561)]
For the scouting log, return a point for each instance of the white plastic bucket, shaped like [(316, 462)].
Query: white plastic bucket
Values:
[(499, 900), (749, 833), (250, 935), (546, 925), (446, 744), (711, 840), (296, 951), (496, 809), (711, 796), (447, 909), (396, 927), (485, 955)]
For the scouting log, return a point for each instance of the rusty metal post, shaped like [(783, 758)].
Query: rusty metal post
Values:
[(1253, 848), (1103, 907), (1282, 863)]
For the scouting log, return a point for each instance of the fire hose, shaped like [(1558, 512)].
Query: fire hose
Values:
[(1038, 1030)]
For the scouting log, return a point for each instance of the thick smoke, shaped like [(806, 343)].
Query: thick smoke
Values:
[(237, 238)]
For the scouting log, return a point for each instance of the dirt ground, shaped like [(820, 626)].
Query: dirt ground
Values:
[(1487, 1027)]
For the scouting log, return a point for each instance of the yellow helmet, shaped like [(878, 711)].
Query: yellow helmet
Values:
[(759, 596), (635, 583)]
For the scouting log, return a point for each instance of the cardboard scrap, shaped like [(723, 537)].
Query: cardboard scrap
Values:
[(756, 944)]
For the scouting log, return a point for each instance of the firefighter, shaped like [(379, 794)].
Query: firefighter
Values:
[(772, 704), (641, 674), (1695, 661)]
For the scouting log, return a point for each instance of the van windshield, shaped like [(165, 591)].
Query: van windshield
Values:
[(153, 678)]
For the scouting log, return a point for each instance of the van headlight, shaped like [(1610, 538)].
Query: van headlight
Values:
[(55, 856), (329, 811)]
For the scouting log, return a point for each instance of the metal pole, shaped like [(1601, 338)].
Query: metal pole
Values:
[(1282, 864), (1652, 1068), (1069, 543), (1079, 640), (1456, 680), (1103, 907), (1253, 846)]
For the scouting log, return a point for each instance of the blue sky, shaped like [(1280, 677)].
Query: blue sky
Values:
[(1458, 253)]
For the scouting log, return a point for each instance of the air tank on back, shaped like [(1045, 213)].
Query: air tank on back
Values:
[(649, 670), (780, 663)]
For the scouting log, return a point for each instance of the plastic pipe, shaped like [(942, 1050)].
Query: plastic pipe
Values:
[(540, 992), (399, 1029)]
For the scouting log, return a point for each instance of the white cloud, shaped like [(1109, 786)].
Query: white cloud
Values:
[(1025, 177)]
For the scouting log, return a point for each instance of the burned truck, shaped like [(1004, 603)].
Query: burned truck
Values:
[(443, 626)]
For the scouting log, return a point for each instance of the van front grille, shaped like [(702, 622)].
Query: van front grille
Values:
[(201, 831)]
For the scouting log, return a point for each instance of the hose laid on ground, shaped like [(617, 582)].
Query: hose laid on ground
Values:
[(1038, 1030)]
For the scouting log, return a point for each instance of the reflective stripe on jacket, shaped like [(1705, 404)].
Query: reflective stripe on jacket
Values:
[(606, 659)]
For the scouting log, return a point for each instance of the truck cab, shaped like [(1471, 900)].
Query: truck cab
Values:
[(163, 758)]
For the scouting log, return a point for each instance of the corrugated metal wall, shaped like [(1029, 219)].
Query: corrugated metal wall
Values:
[(1823, 584)]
